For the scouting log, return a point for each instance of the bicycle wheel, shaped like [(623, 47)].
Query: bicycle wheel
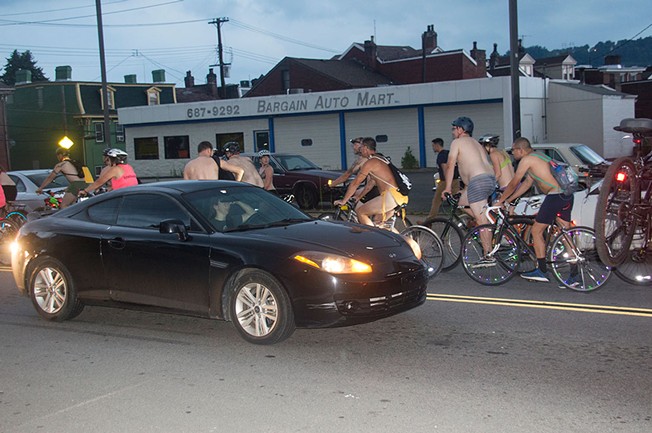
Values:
[(451, 237), (637, 267), (8, 231), (574, 260), (614, 220), (432, 251), (490, 272), (523, 227)]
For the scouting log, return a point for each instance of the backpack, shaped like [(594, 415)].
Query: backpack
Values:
[(222, 174), (563, 174), (402, 181)]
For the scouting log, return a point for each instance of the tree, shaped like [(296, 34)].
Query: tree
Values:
[(21, 61)]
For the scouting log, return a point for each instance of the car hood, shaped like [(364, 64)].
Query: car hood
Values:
[(344, 238)]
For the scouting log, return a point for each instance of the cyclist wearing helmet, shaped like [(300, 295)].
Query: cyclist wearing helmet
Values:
[(72, 170), (475, 171), (119, 173), (204, 167), (266, 171), (500, 160), (232, 152)]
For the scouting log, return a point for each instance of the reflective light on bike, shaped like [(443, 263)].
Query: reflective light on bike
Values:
[(13, 247), (621, 176), (332, 263)]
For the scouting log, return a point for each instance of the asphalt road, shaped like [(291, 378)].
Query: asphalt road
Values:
[(515, 358)]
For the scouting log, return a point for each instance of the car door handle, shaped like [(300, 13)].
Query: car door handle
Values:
[(117, 243)]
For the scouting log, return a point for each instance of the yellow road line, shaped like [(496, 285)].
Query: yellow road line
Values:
[(587, 308)]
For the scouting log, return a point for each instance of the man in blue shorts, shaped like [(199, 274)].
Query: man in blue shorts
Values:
[(556, 204)]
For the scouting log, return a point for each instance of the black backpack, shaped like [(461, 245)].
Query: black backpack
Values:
[(402, 181), (223, 174)]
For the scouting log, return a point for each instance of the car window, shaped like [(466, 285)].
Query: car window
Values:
[(104, 212), (242, 208), (587, 155), (59, 181), (148, 210), (296, 162), (20, 185)]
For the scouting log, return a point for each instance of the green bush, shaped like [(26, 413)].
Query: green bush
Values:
[(408, 160)]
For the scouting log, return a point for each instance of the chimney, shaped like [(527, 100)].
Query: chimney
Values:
[(130, 79), (480, 57), (62, 73), (23, 76), (189, 80), (211, 82), (429, 39), (613, 59), (158, 76), (493, 59), (371, 51)]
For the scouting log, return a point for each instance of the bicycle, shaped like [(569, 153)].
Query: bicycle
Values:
[(571, 254), (624, 209), (432, 250), (12, 221)]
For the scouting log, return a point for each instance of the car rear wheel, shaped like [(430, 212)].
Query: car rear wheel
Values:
[(53, 292), (306, 196), (260, 308)]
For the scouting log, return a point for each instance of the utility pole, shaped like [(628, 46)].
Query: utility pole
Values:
[(218, 23), (514, 70), (105, 93)]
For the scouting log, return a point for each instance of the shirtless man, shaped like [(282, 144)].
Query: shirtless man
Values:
[(232, 152), (204, 167), (536, 168), (477, 174), (355, 167), (379, 173), (69, 170)]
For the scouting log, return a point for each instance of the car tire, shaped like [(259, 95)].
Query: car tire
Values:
[(306, 196), (260, 308), (52, 291)]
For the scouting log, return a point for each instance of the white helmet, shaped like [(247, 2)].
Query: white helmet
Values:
[(119, 154)]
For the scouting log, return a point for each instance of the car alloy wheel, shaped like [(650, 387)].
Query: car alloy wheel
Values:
[(53, 292)]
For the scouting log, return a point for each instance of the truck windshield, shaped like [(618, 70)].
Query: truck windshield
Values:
[(587, 155)]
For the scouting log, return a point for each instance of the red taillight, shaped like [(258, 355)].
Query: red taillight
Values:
[(621, 176), (638, 140)]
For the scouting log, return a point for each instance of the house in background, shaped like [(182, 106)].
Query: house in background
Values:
[(40, 114), (371, 65), (557, 67)]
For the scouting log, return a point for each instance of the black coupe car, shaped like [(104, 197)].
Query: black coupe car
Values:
[(215, 249)]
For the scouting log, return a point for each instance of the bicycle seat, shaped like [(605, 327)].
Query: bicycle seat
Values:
[(632, 126)]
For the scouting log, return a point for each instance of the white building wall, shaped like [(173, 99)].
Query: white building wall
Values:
[(616, 143), (322, 129)]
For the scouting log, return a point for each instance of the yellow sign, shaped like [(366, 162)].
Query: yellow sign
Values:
[(66, 143)]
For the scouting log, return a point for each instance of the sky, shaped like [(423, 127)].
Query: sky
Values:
[(175, 35)]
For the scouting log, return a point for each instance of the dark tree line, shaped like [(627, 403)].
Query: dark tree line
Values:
[(24, 61)]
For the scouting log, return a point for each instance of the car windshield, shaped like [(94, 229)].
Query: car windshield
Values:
[(243, 208), (59, 182), (587, 155), (296, 162)]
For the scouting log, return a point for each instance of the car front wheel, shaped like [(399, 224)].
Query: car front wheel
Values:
[(53, 292), (260, 308)]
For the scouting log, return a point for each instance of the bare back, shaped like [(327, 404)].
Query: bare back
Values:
[(201, 168), (470, 157), (539, 170), (69, 170), (250, 173), (380, 172)]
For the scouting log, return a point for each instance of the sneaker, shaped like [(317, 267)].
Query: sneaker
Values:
[(485, 262), (573, 281), (535, 275)]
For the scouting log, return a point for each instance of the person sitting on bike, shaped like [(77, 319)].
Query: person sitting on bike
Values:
[(536, 169), (119, 173), (379, 173), (266, 171), (72, 170), (232, 152), (500, 160), (475, 171)]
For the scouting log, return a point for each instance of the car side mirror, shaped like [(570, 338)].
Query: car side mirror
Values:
[(174, 226)]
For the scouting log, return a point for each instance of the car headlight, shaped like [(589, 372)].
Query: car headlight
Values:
[(332, 263)]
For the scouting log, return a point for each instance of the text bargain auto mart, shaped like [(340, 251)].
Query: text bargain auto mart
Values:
[(319, 125)]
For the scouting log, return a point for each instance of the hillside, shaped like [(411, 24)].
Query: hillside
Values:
[(636, 52)]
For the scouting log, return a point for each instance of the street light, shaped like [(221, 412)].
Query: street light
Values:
[(66, 143)]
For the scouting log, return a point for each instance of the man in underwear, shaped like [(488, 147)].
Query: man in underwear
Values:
[(204, 166), (375, 169), (477, 174), (536, 168)]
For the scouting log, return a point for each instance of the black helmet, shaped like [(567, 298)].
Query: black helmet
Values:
[(232, 147), (489, 140), (465, 123), (63, 152)]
